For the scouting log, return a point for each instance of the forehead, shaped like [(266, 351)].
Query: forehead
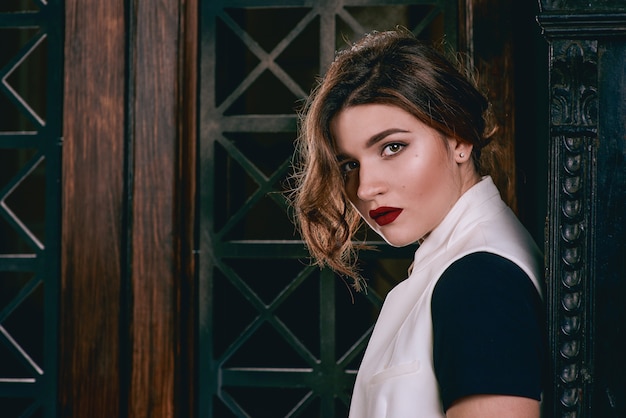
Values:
[(363, 125)]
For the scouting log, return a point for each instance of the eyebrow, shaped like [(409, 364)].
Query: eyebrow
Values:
[(382, 135), (376, 138)]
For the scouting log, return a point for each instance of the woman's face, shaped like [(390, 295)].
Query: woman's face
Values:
[(400, 174)]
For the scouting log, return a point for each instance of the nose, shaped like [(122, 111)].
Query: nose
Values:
[(372, 183)]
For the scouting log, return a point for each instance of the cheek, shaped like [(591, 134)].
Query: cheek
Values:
[(425, 186)]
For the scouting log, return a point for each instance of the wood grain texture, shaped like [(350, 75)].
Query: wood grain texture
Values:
[(155, 279), (92, 209), (129, 128)]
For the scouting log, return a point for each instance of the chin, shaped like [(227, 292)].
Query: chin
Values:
[(400, 243), (397, 241)]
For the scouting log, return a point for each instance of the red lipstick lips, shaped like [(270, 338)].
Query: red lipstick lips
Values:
[(384, 215)]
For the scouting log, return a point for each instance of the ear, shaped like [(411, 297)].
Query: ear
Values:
[(462, 151)]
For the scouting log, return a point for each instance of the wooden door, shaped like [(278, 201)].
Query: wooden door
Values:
[(128, 166)]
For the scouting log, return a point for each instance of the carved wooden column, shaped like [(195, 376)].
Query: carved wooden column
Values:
[(586, 246)]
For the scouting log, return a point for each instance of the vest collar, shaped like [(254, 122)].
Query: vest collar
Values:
[(480, 201)]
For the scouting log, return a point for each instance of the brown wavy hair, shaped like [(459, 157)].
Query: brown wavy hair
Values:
[(392, 68)]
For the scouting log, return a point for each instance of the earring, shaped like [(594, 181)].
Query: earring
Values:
[(462, 155)]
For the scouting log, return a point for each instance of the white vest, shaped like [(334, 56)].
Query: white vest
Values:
[(396, 377)]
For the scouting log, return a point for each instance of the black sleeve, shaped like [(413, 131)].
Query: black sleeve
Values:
[(488, 330)]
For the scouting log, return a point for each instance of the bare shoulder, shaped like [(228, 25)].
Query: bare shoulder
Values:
[(494, 406)]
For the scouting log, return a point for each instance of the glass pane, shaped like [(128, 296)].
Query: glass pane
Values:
[(30, 196), (18, 6)]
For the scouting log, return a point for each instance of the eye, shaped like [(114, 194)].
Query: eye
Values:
[(348, 166), (393, 148)]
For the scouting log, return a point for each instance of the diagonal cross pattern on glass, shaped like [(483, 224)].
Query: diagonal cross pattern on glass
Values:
[(318, 368), (17, 351), (6, 212), (267, 60), (11, 67)]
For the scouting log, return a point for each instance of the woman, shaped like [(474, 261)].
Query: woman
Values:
[(394, 135)]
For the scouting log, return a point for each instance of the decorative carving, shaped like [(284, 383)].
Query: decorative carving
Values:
[(574, 116), (580, 5), (574, 89)]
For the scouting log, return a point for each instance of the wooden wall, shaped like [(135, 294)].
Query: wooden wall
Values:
[(127, 214)]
